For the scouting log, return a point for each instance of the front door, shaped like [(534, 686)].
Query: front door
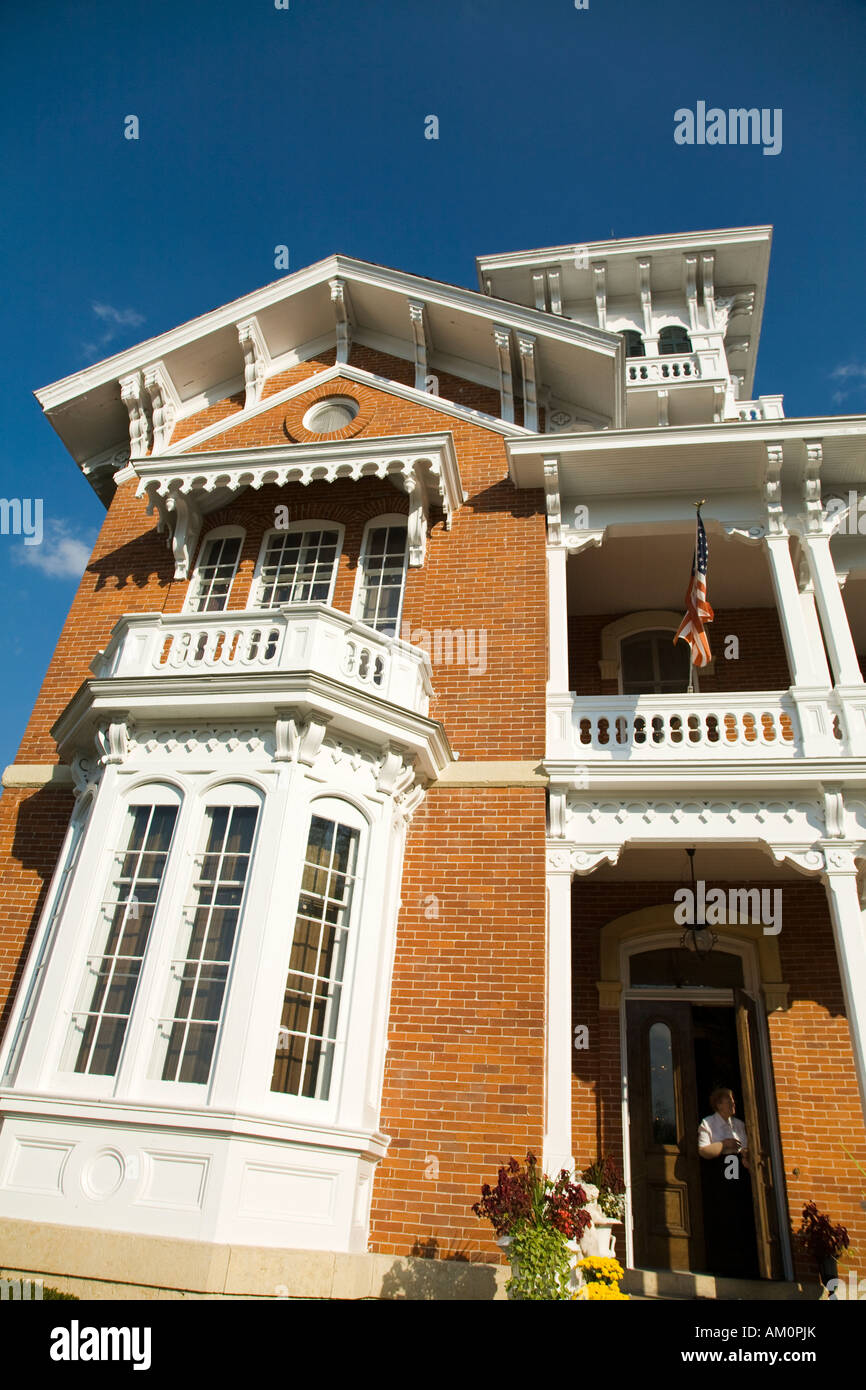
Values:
[(666, 1184)]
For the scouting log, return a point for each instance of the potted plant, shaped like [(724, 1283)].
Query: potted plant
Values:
[(602, 1277), (822, 1240), (539, 1221), (605, 1188)]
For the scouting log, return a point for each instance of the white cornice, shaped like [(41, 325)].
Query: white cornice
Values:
[(735, 431), (626, 246), (433, 292)]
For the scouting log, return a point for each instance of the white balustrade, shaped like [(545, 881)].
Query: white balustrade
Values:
[(296, 637), (646, 370), (685, 726)]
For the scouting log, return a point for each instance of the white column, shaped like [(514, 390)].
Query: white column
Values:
[(557, 620), (807, 663), (557, 1063), (834, 619), (849, 933)]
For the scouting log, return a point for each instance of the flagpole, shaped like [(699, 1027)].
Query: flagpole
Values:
[(691, 686)]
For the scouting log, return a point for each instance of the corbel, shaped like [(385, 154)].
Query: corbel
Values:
[(663, 401), (132, 395), (418, 517), (502, 340), (312, 737), (287, 738), (159, 389), (539, 289), (552, 501), (526, 344), (718, 404), (185, 531), (112, 741), (392, 766), (418, 323), (599, 280), (257, 360), (340, 300), (814, 509), (741, 344)]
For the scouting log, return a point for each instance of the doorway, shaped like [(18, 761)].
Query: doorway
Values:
[(690, 1213)]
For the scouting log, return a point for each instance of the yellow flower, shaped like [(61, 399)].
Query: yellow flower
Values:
[(594, 1292)]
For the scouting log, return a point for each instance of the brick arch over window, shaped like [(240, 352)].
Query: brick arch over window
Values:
[(651, 921)]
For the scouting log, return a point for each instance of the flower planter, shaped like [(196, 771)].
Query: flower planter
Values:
[(575, 1253)]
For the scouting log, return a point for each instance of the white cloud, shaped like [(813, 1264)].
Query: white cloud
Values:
[(854, 376), (112, 320), (61, 555)]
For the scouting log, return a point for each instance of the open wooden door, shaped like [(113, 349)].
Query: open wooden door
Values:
[(756, 1117), (662, 1105)]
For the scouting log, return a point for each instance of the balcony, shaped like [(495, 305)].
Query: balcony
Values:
[(765, 727), (286, 641), (700, 384), (646, 371)]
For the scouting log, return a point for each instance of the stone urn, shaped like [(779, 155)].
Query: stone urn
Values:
[(575, 1250), (599, 1238)]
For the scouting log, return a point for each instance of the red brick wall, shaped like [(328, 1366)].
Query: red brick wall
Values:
[(761, 665), (816, 1084), (464, 1072)]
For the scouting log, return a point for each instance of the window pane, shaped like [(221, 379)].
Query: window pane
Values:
[(188, 1032), (215, 573), (298, 568), (383, 571), (304, 1060), (662, 1093), (652, 664), (126, 917)]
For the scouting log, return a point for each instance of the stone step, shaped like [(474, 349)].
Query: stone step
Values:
[(671, 1283)]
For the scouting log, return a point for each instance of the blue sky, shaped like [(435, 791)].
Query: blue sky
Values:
[(305, 127)]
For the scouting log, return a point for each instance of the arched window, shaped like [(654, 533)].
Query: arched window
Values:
[(634, 344), (120, 939), (651, 663), (215, 571), (310, 1023), (205, 941), (298, 565), (674, 339), (382, 574)]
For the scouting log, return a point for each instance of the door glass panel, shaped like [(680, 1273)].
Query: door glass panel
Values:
[(662, 1093)]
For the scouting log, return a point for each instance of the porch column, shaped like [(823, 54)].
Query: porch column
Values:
[(834, 619), (558, 1041), (806, 661), (849, 933)]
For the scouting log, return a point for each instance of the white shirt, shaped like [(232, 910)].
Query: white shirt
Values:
[(714, 1129)]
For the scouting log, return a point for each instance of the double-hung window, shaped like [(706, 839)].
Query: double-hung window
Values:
[(309, 1034), (102, 1013), (379, 598), (299, 565)]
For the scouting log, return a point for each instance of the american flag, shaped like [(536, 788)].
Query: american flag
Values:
[(698, 611)]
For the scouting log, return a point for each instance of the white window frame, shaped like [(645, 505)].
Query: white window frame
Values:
[(308, 524), (335, 807), (219, 533), (148, 1081), (151, 792), (374, 524)]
